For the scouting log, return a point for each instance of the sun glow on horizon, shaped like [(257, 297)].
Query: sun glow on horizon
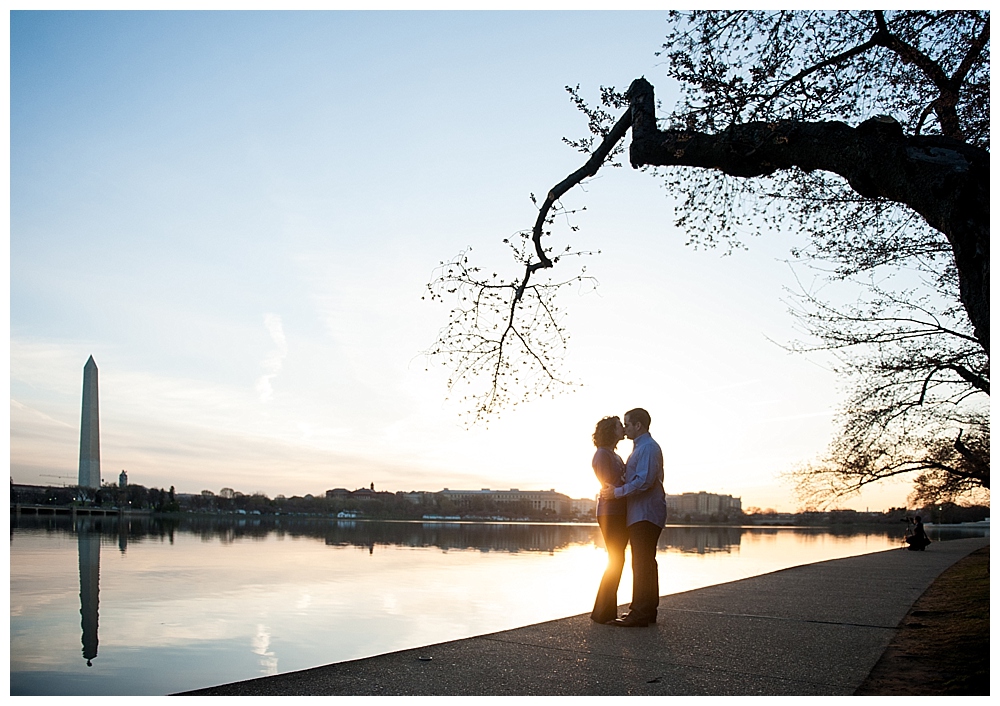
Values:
[(186, 207)]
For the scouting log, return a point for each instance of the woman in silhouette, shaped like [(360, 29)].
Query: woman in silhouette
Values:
[(610, 471)]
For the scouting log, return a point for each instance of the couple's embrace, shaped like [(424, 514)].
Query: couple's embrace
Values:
[(632, 510)]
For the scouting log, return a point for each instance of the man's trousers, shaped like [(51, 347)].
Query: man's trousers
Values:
[(645, 574)]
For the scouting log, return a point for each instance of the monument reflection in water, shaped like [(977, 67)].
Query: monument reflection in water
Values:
[(195, 602), (89, 544), (88, 541)]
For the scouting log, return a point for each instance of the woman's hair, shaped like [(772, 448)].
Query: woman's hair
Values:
[(604, 432)]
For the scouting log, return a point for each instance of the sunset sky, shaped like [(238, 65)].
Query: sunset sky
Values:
[(237, 213)]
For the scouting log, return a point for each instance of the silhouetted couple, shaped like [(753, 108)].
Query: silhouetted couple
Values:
[(632, 510)]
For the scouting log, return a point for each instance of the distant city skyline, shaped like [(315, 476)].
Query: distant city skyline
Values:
[(237, 214), (226, 490)]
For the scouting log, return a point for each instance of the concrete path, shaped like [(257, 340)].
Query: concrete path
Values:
[(816, 629)]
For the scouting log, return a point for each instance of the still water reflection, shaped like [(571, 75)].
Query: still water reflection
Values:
[(144, 606)]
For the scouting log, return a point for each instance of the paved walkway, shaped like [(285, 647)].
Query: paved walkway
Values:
[(816, 629)]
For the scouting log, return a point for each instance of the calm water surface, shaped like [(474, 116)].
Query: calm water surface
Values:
[(146, 607)]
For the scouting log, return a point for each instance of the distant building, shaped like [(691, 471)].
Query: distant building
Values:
[(538, 500), (545, 501), (122, 479), (584, 507), (702, 504), (416, 497), (360, 493)]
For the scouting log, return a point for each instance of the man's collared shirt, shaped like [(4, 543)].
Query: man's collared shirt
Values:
[(644, 483)]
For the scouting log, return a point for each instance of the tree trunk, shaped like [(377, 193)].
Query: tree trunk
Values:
[(944, 180)]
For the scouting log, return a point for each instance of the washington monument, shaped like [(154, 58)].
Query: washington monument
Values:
[(90, 430)]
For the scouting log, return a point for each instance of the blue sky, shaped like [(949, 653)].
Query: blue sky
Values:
[(236, 214)]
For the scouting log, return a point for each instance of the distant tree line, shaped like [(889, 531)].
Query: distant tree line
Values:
[(138, 497), (396, 506), (942, 513)]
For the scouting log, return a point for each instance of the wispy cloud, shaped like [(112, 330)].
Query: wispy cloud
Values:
[(15, 405), (804, 415), (735, 385), (271, 365)]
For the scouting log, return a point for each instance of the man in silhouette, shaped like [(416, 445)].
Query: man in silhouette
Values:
[(646, 516)]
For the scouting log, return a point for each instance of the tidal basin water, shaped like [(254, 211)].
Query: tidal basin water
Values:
[(146, 606)]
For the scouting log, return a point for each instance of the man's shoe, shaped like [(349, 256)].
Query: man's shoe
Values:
[(630, 621)]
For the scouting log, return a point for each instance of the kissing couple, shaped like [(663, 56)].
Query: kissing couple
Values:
[(632, 510)]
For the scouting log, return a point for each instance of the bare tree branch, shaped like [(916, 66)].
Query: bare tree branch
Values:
[(555, 193)]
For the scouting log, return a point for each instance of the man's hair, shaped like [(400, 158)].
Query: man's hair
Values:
[(603, 433), (639, 415)]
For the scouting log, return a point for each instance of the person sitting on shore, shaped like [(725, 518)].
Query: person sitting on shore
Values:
[(918, 539)]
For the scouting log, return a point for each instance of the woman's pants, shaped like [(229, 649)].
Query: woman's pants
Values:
[(615, 538)]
